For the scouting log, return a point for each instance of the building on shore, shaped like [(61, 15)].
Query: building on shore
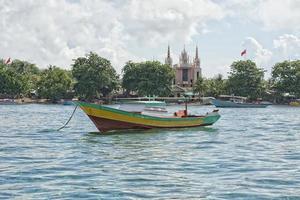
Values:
[(187, 71)]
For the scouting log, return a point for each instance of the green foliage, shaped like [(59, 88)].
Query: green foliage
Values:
[(200, 86), (210, 87), (148, 78), (26, 72), (12, 84), (286, 77), (54, 84), (94, 76), (216, 86), (130, 79), (245, 79), (23, 67)]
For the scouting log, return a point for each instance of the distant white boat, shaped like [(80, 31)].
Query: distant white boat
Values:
[(228, 101)]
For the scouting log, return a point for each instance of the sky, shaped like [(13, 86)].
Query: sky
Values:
[(55, 32)]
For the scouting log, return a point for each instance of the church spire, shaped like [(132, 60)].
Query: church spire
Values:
[(197, 59), (184, 58), (168, 60)]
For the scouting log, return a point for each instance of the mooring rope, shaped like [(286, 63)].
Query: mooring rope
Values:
[(68, 119)]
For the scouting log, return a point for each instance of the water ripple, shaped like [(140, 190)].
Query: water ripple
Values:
[(248, 154)]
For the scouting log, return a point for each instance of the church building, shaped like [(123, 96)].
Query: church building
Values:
[(187, 71)]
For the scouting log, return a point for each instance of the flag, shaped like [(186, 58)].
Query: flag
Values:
[(243, 52), (8, 61)]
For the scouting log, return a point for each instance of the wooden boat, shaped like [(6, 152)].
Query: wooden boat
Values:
[(107, 118), (228, 101)]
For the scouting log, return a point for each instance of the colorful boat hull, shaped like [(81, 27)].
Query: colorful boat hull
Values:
[(107, 119), (229, 104)]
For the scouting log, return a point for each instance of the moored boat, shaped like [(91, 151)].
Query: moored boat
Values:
[(228, 101), (107, 118)]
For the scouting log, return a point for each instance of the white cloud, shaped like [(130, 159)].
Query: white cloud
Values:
[(240, 9), (273, 15), (256, 52), (157, 22), (287, 47), (279, 14), (57, 31)]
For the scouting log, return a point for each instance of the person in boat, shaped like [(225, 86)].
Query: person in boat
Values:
[(180, 113)]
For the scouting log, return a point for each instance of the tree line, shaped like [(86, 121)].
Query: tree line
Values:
[(246, 79), (93, 77)]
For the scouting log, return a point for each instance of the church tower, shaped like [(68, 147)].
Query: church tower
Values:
[(184, 58), (168, 60), (197, 59), (187, 71), (197, 68)]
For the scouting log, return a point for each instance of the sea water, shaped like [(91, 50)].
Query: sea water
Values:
[(250, 153)]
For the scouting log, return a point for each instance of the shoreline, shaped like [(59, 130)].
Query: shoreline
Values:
[(69, 103)]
